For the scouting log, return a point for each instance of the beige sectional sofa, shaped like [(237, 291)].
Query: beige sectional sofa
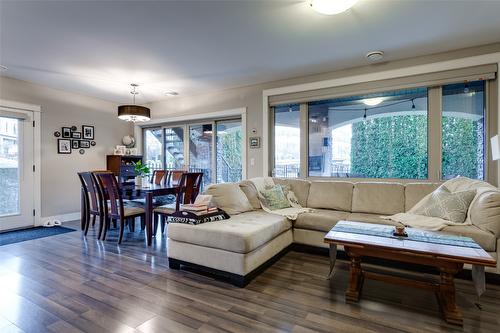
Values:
[(239, 248)]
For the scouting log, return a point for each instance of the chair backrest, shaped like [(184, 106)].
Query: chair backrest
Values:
[(90, 189), (159, 177), (109, 185), (189, 188), (176, 176)]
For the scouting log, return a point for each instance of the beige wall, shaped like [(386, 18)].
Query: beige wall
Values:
[(251, 96), (59, 181)]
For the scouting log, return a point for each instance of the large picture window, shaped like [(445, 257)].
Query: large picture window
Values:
[(427, 131), (287, 141), (370, 136), (463, 130)]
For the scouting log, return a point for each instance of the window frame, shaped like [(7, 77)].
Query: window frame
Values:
[(434, 136), (186, 126)]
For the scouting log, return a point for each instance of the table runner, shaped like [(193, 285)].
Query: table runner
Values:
[(413, 234)]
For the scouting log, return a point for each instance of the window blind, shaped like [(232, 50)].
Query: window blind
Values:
[(468, 74), (12, 114)]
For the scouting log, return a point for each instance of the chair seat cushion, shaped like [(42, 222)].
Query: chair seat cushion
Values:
[(241, 233), (165, 209), (320, 219), (131, 211)]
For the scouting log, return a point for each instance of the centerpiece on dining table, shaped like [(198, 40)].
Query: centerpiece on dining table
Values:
[(142, 172)]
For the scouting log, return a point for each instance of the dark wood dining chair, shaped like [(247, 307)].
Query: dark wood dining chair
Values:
[(159, 177), (188, 189), (115, 208), (92, 201), (175, 177)]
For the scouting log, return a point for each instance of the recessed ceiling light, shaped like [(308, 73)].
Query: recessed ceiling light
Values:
[(171, 93), (375, 55), (373, 101), (331, 7), (2, 67)]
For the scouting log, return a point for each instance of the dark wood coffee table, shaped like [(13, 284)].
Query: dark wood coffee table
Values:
[(448, 259)]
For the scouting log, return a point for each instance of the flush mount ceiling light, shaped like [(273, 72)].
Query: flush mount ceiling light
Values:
[(135, 113), (171, 93), (373, 101), (375, 55), (331, 7)]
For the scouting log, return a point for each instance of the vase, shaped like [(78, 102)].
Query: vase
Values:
[(138, 181)]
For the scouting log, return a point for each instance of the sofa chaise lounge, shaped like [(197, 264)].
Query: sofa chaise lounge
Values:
[(239, 248)]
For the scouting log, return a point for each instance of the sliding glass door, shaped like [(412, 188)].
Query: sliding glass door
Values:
[(174, 147), (229, 151), (153, 152), (212, 147), (200, 150)]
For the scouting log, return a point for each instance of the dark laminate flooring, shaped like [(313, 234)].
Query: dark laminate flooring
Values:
[(67, 283)]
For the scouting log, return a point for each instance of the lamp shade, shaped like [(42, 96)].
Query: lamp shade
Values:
[(134, 113), (495, 148)]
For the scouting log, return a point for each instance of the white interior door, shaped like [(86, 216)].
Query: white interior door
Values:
[(16, 169)]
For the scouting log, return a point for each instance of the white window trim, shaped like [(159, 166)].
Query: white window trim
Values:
[(37, 151), (355, 79), (237, 112)]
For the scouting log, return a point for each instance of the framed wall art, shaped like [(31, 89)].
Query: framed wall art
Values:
[(254, 142), (87, 132), (63, 146), (66, 132), (84, 144)]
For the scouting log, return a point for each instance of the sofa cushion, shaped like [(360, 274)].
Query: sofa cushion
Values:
[(242, 233), (229, 197), (320, 219), (485, 239), (370, 218), (446, 205), (274, 198), (251, 192), (331, 195), (485, 212), (414, 192), (378, 198), (299, 187)]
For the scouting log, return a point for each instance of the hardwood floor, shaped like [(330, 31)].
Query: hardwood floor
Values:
[(67, 283)]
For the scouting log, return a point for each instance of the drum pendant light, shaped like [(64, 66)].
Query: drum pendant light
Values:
[(134, 113)]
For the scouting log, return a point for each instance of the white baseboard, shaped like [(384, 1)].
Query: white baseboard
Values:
[(63, 217)]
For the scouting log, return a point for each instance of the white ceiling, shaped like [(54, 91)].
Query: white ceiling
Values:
[(98, 48)]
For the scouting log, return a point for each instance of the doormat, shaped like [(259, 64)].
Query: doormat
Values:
[(16, 236)]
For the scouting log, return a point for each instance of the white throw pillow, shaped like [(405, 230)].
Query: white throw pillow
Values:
[(229, 197), (446, 205)]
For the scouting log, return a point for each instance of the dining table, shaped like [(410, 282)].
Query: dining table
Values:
[(149, 191)]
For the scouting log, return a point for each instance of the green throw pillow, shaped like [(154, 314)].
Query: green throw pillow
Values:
[(447, 205), (275, 198)]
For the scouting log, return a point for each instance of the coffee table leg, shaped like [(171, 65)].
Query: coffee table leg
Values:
[(355, 278), (446, 297), (333, 258)]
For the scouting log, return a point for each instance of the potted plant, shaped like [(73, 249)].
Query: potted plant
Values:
[(141, 171)]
